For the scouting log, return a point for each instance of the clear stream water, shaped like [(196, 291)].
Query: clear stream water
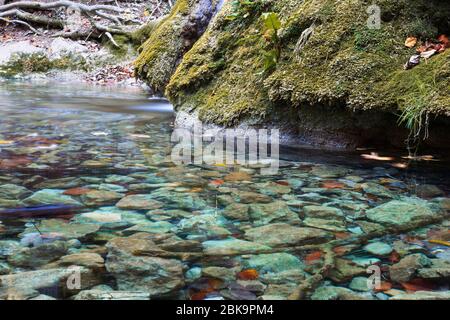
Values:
[(86, 179)]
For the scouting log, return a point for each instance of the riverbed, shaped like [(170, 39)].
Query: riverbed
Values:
[(88, 189)]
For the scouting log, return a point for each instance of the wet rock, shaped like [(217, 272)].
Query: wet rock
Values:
[(50, 196), (101, 197), (334, 225), (407, 268), (179, 200), (24, 285), (376, 190), (263, 214), (8, 50), (43, 297), (283, 234), (200, 224), (4, 268), (378, 248), (118, 179), (10, 204), (8, 247), (428, 191), (13, 192), (338, 293), (111, 295), (61, 47), (62, 183), (89, 260), (401, 213), (38, 256), (193, 274), (252, 197), (150, 227), (273, 263), (224, 274), (139, 202), (252, 285), (344, 270), (359, 284), (327, 172), (273, 189), (238, 176), (36, 239), (423, 295), (232, 246), (100, 217), (322, 212), (132, 272), (64, 229), (438, 271), (287, 276), (237, 211), (111, 188)]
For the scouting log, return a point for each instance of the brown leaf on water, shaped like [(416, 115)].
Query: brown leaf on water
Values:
[(249, 274), (418, 285)]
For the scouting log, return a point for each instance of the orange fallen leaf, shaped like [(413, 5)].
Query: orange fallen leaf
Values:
[(249, 274), (418, 285), (342, 235), (384, 286), (217, 182), (283, 183), (410, 42), (341, 250), (444, 40), (394, 257), (313, 257)]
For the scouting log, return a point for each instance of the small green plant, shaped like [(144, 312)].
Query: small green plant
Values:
[(272, 24), (415, 115), (244, 8)]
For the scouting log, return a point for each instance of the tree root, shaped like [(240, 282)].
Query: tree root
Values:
[(108, 12)]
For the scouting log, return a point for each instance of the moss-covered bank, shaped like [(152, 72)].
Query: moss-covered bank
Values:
[(342, 64)]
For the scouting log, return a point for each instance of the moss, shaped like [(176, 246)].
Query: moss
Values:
[(139, 36), (38, 62), (161, 52), (343, 62)]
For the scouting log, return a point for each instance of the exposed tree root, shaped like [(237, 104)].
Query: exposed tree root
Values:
[(91, 12)]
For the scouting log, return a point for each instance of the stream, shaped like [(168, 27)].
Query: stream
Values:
[(88, 190)]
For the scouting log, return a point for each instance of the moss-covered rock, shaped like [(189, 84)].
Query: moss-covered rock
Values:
[(171, 39), (343, 63)]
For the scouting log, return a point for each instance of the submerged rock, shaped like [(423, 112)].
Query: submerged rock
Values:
[(139, 202), (111, 295), (25, 285), (263, 214), (13, 192), (50, 196), (423, 295), (157, 276), (38, 256), (378, 248), (338, 293), (64, 229), (405, 270), (232, 246), (401, 213), (283, 234), (274, 263)]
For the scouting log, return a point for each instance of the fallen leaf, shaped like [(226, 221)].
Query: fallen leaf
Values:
[(444, 40), (342, 235), (441, 242), (418, 285), (282, 183), (249, 274), (217, 182), (384, 286), (411, 42), (313, 257), (394, 257)]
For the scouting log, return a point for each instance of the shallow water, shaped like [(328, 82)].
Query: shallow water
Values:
[(86, 175)]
